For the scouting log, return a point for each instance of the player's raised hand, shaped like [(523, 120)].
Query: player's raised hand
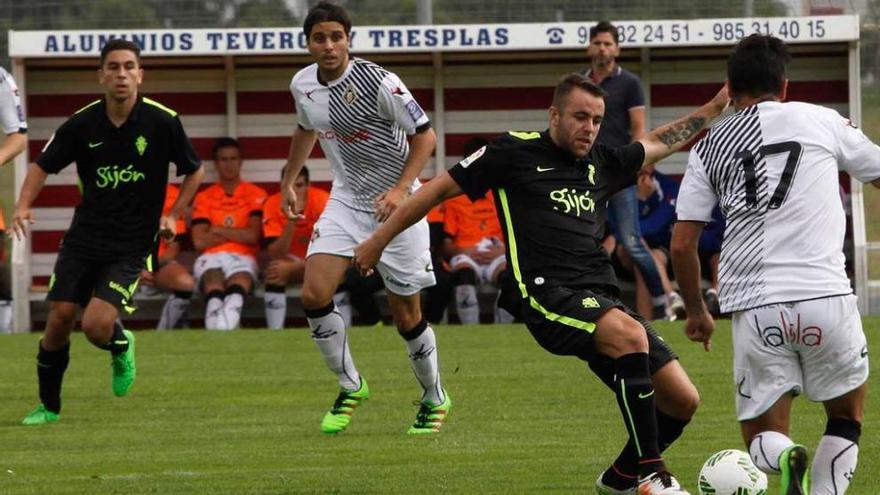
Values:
[(366, 255), (722, 98), (699, 327), (388, 201), (290, 203), (167, 227), (21, 218)]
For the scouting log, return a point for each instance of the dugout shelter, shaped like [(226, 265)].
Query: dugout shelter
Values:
[(474, 80)]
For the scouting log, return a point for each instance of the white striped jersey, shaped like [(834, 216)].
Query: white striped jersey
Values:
[(774, 169), (11, 114), (362, 120)]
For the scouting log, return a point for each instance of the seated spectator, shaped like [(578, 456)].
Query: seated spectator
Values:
[(656, 195), (170, 276), (709, 250), (226, 227), (438, 296), (5, 283), (360, 292), (476, 251), (286, 243)]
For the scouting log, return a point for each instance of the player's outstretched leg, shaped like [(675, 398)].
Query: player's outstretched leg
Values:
[(122, 362), (329, 334), (775, 453), (51, 366), (434, 406), (677, 400)]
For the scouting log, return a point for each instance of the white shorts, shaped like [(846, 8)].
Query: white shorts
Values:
[(405, 265), (484, 272), (228, 262), (815, 346)]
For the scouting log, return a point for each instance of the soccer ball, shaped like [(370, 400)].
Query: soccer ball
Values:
[(731, 472)]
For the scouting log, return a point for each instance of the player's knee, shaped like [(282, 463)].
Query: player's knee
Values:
[(407, 316), (62, 315), (686, 403), (619, 334), (184, 282), (314, 298), (464, 276), (97, 328)]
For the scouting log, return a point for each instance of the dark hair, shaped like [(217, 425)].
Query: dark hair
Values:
[(604, 27), (473, 144), (571, 81), (325, 11), (304, 171), (120, 44), (225, 142), (757, 66)]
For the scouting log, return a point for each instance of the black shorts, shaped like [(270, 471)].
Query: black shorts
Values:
[(77, 279), (562, 321)]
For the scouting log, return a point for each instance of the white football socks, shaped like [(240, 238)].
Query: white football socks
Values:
[(833, 465), (328, 332), (422, 352)]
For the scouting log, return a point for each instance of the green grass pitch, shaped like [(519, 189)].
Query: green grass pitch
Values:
[(239, 413)]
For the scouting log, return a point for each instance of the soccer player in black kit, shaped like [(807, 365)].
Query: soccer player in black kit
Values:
[(122, 145), (551, 191)]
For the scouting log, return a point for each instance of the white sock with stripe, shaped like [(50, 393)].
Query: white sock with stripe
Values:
[(328, 332), (421, 346)]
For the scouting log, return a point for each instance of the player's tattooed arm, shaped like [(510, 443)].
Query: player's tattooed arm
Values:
[(671, 137), (680, 131)]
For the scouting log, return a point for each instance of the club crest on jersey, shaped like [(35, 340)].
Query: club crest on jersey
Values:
[(141, 145), (228, 221), (474, 157), (350, 94), (591, 174)]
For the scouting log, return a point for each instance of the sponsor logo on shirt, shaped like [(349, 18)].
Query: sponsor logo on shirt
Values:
[(361, 135), (111, 175), (571, 201)]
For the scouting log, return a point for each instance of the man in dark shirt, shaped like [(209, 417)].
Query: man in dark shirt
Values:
[(551, 189), (122, 145), (623, 123)]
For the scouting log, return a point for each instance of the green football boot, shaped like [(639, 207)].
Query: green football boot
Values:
[(40, 416), (430, 417), (124, 368), (795, 479), (339, 416)]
